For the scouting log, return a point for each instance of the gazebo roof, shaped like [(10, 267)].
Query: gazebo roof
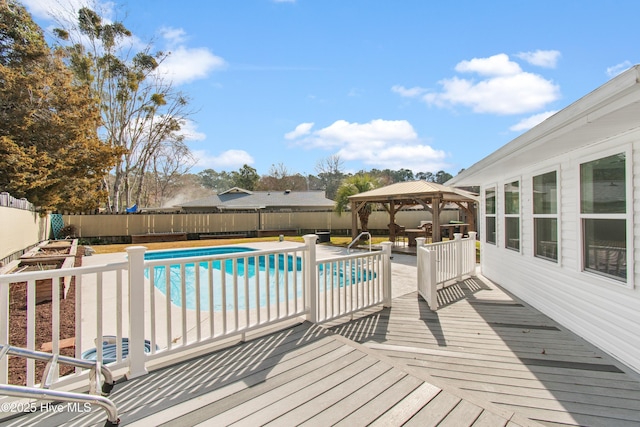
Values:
[(414, 190)]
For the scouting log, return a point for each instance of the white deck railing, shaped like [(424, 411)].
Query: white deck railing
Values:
[(439, 263), (161, 308), (348, 284)]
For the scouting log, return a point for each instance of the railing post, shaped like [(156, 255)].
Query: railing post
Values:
[(473, 235), (420, 242), (136, 357), (457, 251), (311, 276), (386, 285), (4, 330)]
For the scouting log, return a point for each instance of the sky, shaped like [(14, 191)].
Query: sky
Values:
[(405, 84)]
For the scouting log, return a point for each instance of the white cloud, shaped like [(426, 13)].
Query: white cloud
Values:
[(382, 144), (227, 160), (618, 68), (300, 130), (408, 92), (529, 122), (504, 89), (496, 65), (47, 9), (541, 58), (188, 128), (184, 64), (173, 36)]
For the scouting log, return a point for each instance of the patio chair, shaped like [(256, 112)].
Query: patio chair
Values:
[(400, 235), (428, 231)]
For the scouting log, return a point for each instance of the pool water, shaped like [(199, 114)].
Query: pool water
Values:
[(275, 274), (278, 276)]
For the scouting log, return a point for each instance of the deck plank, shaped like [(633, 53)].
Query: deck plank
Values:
[(303, 375), (435, 412), (485, 342)]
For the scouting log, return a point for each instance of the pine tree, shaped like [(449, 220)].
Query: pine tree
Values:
[(49, 146)]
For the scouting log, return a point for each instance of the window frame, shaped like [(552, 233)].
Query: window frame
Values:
[(627, 282), (506, 216), (556, 216), (493, 215)]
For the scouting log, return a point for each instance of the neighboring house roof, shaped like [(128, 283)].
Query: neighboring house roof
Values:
[(612, 109), (238, 199), (412, 190)]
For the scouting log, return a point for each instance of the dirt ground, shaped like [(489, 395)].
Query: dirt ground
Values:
[(18, 328)]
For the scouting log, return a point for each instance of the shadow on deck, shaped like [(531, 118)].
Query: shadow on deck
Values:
[(305, 374), (487, 343), (483, 359)]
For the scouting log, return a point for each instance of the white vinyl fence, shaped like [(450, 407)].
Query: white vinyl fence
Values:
[(142, 310), (439, 263)]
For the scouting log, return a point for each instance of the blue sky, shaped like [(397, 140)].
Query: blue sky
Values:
[(416, 84)]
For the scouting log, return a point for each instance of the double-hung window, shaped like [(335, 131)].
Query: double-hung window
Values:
[(545, 216), (603, 214), (512, 215), (490, 215)]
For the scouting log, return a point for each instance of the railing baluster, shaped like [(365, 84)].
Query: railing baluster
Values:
[(167, 294), (223, 276), (246, 292), (211, 299), (31, 329), (152, 309), (183, 300), (198, 284)]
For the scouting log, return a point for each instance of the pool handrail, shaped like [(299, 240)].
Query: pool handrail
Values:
[(354, 241)]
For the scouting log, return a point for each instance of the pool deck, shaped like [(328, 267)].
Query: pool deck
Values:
[(485, 358)]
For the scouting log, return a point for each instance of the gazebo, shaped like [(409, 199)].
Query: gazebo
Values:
[(430, 195)]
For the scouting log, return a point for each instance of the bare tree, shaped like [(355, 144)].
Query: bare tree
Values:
[(141, 114)]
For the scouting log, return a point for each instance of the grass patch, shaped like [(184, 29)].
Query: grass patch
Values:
[(336, 241)]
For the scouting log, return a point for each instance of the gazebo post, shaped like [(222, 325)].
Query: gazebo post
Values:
[(392, 221), (354, 221), (435, 206)]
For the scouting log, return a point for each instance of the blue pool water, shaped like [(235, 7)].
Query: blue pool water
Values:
[(276, 274)]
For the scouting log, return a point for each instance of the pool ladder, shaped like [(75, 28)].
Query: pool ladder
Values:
[(357, 239), (43, 392)]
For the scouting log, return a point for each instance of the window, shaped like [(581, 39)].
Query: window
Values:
[(603, 213), (490, 215), (512, 215), (545, 216)]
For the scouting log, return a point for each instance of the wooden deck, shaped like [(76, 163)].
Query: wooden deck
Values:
[(483, 359), (304, 375), (498, 349)]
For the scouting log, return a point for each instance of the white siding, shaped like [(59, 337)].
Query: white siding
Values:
[(599, 309)]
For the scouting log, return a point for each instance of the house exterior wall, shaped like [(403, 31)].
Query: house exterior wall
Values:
[(603, 310)]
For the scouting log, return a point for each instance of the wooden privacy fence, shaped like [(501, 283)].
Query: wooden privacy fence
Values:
[(89, 226)]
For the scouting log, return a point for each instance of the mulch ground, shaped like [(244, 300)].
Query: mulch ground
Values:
[(18, 328)]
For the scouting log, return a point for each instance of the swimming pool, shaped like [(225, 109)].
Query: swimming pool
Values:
[(277, 277), (262, 279)]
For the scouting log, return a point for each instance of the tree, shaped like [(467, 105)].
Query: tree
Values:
[(442, 177), (50, 150), (425, 176), (330, 174), (141, 113), (246, 177), (353, 185), (219, 181), (280, 179)]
